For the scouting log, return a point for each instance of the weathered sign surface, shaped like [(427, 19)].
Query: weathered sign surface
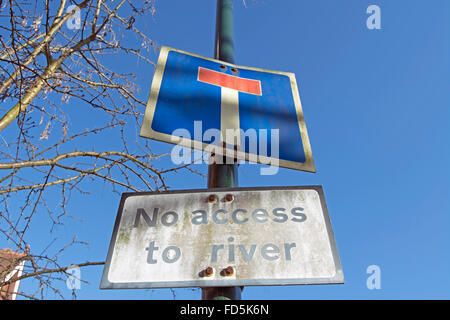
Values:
[(222, 237)]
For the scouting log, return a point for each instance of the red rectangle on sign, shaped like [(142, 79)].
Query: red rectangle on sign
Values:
[(228, 81)]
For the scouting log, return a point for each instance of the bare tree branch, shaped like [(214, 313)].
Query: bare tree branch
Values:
[(78, 118)]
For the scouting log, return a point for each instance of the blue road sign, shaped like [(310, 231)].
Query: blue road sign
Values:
[(205, 103)]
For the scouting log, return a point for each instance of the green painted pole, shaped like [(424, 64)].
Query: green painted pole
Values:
[(224, 42), (226, 174)]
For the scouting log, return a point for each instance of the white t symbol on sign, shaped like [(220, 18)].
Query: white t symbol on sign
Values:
[(229, 111)]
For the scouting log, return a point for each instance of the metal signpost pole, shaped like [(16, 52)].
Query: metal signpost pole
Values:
[(223, 175)]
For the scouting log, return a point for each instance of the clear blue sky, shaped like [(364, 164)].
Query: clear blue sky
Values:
[(376, 104)]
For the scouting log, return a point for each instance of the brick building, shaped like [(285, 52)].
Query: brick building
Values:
[(11, 267)]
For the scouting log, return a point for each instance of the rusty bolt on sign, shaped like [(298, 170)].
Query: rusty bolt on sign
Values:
[(209, 271), (212, 198), (229, 198), (229, 271)]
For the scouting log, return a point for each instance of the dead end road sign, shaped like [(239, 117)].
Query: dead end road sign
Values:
[(222, 237), (193, 97)]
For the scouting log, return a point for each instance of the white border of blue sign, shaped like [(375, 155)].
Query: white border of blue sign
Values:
[(148, 132)]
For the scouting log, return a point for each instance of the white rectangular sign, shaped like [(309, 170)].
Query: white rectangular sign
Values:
[(222, 237)]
